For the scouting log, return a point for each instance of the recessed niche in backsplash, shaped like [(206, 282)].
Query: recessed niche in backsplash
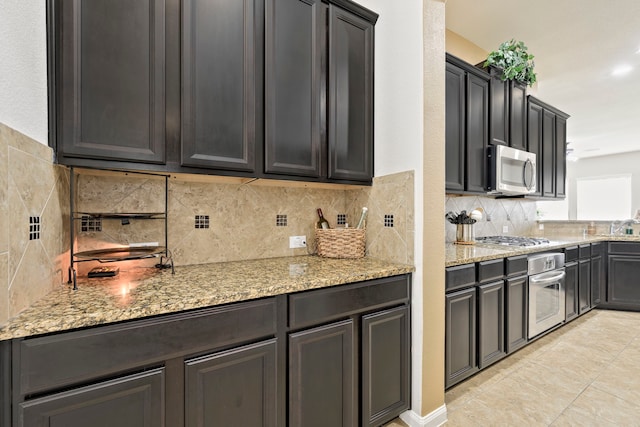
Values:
[(516, 214)]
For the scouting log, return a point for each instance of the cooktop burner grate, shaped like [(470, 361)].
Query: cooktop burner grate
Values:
[(512, 240)]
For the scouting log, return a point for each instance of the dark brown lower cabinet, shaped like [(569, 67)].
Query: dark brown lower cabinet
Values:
[(460, 336), (491, 343), (321, 376), (584, 285), (347, 364), (597, 280), (235, 387), (385, 365), (516, 313), (571, 290), (622, 285), (131, 401)]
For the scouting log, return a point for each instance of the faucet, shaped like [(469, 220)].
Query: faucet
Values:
[(617, 226)]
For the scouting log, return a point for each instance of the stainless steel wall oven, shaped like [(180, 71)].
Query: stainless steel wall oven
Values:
[(546, 292)]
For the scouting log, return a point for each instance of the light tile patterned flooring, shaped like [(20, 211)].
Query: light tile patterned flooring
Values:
[(586, 373)]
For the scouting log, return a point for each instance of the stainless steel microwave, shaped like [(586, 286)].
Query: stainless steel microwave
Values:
[(512, 172)]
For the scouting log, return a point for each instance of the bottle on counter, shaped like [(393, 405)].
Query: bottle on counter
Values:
[(322, 222), (363, 218)]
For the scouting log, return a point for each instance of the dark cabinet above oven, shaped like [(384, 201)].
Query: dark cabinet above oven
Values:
[(483, 110)]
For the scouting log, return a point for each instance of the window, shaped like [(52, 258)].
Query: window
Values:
[(604, 198)]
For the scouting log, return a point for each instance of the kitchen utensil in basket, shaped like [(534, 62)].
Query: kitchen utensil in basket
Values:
[(341, 242)]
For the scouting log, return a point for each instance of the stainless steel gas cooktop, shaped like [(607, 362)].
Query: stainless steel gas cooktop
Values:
[(512, 240)]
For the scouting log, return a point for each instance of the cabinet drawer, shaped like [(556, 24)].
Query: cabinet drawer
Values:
[(490, 270), (516, 265), (313, 307), (460, 276), (625, 248), (584, 251), (134, 400), (570, 253), (597, 249), (59, 360)]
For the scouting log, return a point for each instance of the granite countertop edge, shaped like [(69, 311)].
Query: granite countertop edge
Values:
[(467, 254), (139, 293)]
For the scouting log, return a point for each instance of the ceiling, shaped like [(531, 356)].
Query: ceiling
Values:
[(577, 44)]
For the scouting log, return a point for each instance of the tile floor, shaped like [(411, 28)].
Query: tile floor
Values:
[(586, 373)]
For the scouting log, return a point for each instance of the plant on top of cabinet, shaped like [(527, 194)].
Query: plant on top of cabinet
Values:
[(515, 61)]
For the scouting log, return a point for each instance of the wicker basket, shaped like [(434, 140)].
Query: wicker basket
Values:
[(341, 242)]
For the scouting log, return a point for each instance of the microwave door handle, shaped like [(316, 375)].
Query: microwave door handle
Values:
[(528, 177)]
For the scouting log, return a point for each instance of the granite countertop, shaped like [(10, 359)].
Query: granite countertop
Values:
[(142, 292), (465, 254)]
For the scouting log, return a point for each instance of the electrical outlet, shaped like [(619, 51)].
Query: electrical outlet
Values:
[(540, 226), (505, 228), (297, 242)]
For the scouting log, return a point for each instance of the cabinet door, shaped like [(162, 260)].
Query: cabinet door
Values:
[(584, 286), (5, 384), (622, 283), (221, 83), (477, 133), (385, 365), (499, 101), (132, 401), (455, 132), (548, 154), (111, 84), (597, 276), (561, 157), (516, 315), (534, 140), (518, 115), (322, 388), (235, 387), (350, 96), (460, 336), (295, 85), (571, 291), (491, 342)]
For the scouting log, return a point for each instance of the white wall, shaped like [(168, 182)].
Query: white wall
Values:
[(23, 67), (398, 131), (615, 164)]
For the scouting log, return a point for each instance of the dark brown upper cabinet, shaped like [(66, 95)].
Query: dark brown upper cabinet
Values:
[(481, 109), (319, 91), (350, 96), (110, 85), (467, 127), (252, 88), (295, 117), (222, 74), (534, 140), (547, 137), (518, 115), (508, 108)]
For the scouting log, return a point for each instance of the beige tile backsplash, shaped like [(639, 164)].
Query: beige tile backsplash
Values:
[(517, 214), (242, 217), (30, 186)]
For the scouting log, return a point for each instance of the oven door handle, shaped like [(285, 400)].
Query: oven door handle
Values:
[(549, 277)]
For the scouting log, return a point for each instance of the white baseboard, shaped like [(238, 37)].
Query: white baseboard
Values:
[(434, 419)]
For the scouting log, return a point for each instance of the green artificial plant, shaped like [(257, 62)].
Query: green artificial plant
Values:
[(515, 61)]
